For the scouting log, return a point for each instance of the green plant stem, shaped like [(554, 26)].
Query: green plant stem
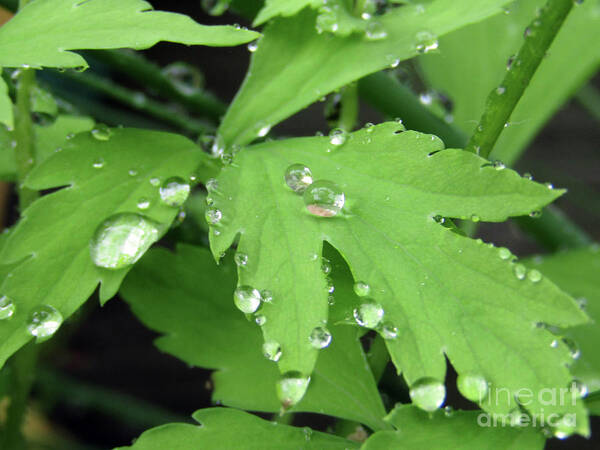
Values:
[(138, 68), (389, 96), (139, 102), (22, 375), (349, 110), (502, 100), (24, 137), (589, 97)]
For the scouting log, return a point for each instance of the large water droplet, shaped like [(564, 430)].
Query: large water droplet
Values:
[(368, 314), (324, 198), (428, 394), (298, 177), (174, 191), (7, 307), (426, 42), (44, 322), (361, 289), (472, 386), (247, 299), (291, 387), (122, 239), (272, 350), (101, 132), (320, 337)]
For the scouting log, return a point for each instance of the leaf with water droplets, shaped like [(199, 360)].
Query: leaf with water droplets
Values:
[(224, 428), (93, 218), (198, 297), (295, 65), (458, 430), (443, 292), (273, 8)]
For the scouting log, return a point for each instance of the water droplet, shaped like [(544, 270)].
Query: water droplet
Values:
[(426, 42), (448, 411), (504, 253), (320, 337), (361, 289), (324, 198), (122, 239), (534, 275), (439, 219), (579, 388), (253, 46), (520, 271), (554, 343), (132, 172), (291, 387), (98, 163), (143, 203), (7, 307), (213, 216), (101, 132), (272, 350), (368, 314), (528, 176), (535, 214), (375, 31), (326, 266), (174, 191), (266, 296), (565, 426), (549, 185), (212, 185), (260, 320), (44, 322), (475, 218), (241, 259), (187, 79), (573, 348), (247, 299), (337, 136), (426, 98), (298, 177), (155, 181), (428, 394), (263, 130), (369, 127), (472, 386), (388, 331), (500, 90)]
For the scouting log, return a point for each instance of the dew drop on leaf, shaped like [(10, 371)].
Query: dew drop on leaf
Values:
[(504, 253), (132, 172), (260, 320), (534, 275), (324, 198), (426, 42), (375, 31), (212, 185), (174, 191), (520, 271), (272, 350), (213, 216), (320, 337), (241, 259), (337, 137), (428, 394), (388, 331), (247, 299), (122, 239), (154, 181), (266, 296), (369, 314), (472, 386), (101, 132), (326, 266), (143, 203), (565, 426), (98, 163), (291, 387), (573, 348), (7, 307), (44, 322), (361, 289), (298, 177)]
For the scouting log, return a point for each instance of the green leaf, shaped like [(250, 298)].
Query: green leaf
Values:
[(8, 167), (576, 271), (295, 65), (284, 8), (93, 24), (188, 298), (462, 430), (446, 294), (6, 112), (52, 240), (223, 428), (573, 50)]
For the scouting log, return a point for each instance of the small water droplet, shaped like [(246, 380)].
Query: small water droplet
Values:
[(534, 275), (361, 289), (298, 177), (101, 132), (155, 181), (428, 394), (565, 426), (122, 239), (500, 90), (472, 386), (98, 163), (263, 130), (448, 411), (337, 136), (504, 253), (320, 337), (247, 299), (375, 31), (291, 387), (272, 350), (549, 185), (388, 331), (326, 266), (475, 218), (528, 176), (253, 46), (535, 214), (573, 348), (174, 191), (369, 127), (426, 42), (143, 203), (324, 198), (213, 216), (241, 259), (260, 320), (266, 296), (212, 185), (43, 322), (7, 307), (132, 172), (520, 271), (369, 314)]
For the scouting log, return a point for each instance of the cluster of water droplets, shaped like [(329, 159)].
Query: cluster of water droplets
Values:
[(370, 314), (322, 198), (43, 320)]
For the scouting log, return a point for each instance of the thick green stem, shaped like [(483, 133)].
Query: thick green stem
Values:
[(139, 102), (24, 137), (138, 68), (349, 111), (502, 100), (589, 97)]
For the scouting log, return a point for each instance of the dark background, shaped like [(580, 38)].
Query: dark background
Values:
[(102, 382)]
